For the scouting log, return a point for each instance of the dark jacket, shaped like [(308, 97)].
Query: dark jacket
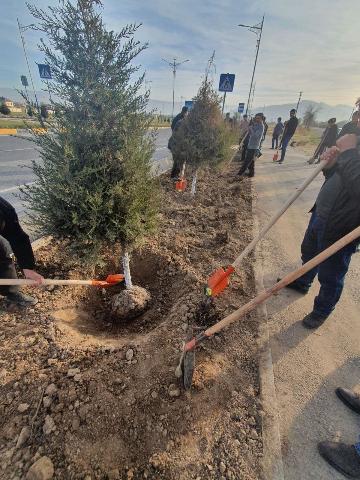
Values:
[(176, 119), (278, 129), (290, 127), (11, 230), (349, 128), (330, 136), (339, 197)]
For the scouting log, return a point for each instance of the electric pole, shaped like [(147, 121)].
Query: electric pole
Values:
[(297, 106), (257, 29), (174, 64), (22, 29)]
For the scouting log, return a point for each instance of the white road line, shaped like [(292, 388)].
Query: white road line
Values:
[(17, 149), (16, 188)]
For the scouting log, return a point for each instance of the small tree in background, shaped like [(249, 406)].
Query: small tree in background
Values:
[(310, 114), (203, 138), (44, 111), (4, 109), (94, 184)]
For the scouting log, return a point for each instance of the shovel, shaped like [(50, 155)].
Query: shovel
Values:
[(219, 280), (181, 184), (108, 282), (186, 366)]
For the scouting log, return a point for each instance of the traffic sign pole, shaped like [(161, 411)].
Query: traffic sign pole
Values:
[(223, 105)]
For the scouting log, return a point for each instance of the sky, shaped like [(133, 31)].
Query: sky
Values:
[(309, 46)]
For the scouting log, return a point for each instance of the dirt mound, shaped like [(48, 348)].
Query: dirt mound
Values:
[(130, 303), (101, 397)]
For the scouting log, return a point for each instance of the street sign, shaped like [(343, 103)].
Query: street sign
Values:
[(24, 81), (189, 104), (241, 107), (44, 71), (226, 83)]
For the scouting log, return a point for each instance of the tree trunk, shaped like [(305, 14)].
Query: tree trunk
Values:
[(126, 267), (193, 183)]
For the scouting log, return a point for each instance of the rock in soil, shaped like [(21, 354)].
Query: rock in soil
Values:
[(42, 469), (130, 303)]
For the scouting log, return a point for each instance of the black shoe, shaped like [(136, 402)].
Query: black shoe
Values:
[(21, 300), (313, 320), (297, 287), (349, 398), (342, 457), (280, 162)]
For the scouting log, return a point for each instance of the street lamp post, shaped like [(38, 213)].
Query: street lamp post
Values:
[(257, 29), (174, 64)]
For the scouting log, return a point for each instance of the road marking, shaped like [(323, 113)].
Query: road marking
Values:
[(15, 188), (17, 149)]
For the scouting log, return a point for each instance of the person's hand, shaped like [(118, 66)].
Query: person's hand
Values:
[(32, 275), (347, 142), (330, 157)]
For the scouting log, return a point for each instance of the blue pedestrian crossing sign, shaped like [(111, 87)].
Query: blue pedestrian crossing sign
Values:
[(241, 107), (189, 104), (44, 71), (226, 83)]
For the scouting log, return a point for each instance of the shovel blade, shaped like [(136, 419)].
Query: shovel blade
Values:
[(181, 185), (276, 157), (218, 281), (115, 278)]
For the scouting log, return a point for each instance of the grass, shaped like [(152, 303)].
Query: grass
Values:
[(17, 123), (307, 139)]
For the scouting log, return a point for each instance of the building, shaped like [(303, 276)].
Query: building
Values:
[(14, 107)]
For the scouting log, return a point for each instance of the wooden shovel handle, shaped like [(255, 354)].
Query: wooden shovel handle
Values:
[(20, 281), (314, 262), (278, 214)]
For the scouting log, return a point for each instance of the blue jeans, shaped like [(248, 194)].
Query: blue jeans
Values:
[(331, 273), (284, 145)]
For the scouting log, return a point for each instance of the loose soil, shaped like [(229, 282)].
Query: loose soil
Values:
[(102, 400)]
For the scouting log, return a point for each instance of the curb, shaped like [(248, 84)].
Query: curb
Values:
[(272, 464)]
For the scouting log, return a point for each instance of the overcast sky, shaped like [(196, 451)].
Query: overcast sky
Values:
[(308, 45)]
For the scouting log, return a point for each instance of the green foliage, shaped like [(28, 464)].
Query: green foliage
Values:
[(4, 109), (203, 138), (94, 184), (309, 119)]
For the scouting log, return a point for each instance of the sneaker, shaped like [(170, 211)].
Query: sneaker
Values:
[(344, 458), (313, 320), (21, 300), (349, 398)]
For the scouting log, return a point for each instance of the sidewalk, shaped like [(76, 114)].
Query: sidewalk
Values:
[(308, 366)]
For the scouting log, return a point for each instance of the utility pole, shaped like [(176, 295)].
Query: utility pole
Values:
[(22, 29), (252, 99), (297, 106), (174, 64), (257, 29), (211, 63)]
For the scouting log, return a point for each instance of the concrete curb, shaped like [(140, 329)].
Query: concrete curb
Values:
[(272, 464)]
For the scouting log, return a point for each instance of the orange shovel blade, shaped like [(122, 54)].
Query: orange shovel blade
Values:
[(218, 281), (276, 157), (181, 185), (110, 280)]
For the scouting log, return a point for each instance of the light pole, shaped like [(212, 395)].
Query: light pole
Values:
[(257, 29), (174, 64), (22, 29), (298, 103)]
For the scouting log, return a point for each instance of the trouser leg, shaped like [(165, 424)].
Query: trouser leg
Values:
[(176, 169), (285, 143), (7, 267), (248, 163)]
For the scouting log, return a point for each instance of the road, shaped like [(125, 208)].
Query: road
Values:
[(308, 365), (16, 155)]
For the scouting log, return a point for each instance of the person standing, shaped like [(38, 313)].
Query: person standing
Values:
[(336, 213), (289, 130), (12, 233), (352, 126), (278, 130), (243, 127), (328, 140), (175, 125), (256, 133)]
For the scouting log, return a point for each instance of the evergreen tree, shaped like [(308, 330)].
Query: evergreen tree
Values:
[(4, 109), (203, 138), (44, 111), (94, 184)]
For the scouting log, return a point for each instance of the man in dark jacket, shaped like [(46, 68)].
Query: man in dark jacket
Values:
[(12, 233), (352, 126), (289, 130), (180, 116), (278, 130), (335, 214), (328, 140), (177, 161)]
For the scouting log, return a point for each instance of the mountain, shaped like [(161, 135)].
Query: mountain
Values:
[(325, 111)]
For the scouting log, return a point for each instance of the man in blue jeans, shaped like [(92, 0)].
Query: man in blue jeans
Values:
[(335, 214), (289, 130)]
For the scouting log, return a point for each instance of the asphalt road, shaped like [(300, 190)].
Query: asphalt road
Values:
[(308, 365), (16, 155)]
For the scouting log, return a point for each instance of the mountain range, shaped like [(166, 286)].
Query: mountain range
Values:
[(325, 111)]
